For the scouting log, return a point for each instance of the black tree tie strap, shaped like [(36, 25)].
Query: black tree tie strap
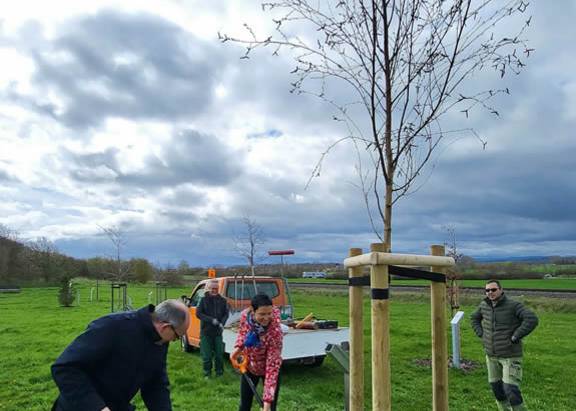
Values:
[(359, 281), (414, 273), (380, 293)]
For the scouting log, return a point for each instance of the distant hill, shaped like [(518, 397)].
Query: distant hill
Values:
[(525, 259)]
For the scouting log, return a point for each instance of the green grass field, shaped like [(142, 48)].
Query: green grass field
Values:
[(34, 330)]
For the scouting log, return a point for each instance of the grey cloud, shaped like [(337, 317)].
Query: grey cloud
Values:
[(191, 157), (271, 202), (499, 200), (124, 65), (7, 177), (187, 216), (266, 134), (264, 81), (178, 205), (184, 196), (92, 167), (31, 103), (106, 158)]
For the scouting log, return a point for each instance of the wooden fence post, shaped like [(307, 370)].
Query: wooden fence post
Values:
[(356, 309), (439, 340), (381, 392)]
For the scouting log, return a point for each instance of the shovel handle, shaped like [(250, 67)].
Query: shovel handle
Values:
[(253, 388), (239, 361)]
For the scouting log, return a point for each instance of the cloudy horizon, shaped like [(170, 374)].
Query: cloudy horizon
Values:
[(135, 115)]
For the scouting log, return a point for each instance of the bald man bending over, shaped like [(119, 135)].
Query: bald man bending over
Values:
[(117, 356)]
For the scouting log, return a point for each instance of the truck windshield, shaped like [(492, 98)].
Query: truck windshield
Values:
[(195, 299), (244, 289)]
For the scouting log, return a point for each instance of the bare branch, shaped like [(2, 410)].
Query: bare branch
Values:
[(117, 236), (248, 243), (406, 63)]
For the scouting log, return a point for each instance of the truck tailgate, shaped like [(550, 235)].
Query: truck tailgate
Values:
[(299, 343)]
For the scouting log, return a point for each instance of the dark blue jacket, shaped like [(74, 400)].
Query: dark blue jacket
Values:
[(115, 357)]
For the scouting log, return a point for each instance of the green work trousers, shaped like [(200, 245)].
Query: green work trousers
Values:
[(212, 349), (505, 376)]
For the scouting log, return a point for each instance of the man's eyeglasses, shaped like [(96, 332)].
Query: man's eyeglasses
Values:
[(491, 290), (175, 332)]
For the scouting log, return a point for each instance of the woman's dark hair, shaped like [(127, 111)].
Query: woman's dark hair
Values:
[(260, 300)]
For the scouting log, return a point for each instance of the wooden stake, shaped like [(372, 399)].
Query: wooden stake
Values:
[(381, 392), (356, 310), (439, 340)]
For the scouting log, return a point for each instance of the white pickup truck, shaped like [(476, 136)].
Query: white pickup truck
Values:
[(306, 346)]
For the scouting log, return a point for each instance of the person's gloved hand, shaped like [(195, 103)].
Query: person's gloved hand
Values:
[(514, 339), (215, 322)]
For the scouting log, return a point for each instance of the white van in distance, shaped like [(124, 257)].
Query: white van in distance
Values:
[(313, 274)]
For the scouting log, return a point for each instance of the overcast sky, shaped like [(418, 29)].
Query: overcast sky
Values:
[(132, 114)]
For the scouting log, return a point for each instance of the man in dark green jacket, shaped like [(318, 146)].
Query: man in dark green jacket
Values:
[(502, 323), (213, 312)]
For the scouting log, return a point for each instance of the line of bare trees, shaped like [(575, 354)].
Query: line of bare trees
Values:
[(32, 261), (38, 261)]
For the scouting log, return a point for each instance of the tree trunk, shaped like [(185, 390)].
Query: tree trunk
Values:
[(388, 217)]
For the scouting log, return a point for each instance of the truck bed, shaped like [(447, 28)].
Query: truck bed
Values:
[(298, 344)]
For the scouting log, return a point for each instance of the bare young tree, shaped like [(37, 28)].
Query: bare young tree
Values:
[(248, 243), (8, 233), (454, 276), (406, 63), (45, 257), (117, 236)]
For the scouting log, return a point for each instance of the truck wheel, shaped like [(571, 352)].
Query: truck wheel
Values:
[(185, 346)]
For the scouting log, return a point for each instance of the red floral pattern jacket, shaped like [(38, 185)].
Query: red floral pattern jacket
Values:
[(266, 359)]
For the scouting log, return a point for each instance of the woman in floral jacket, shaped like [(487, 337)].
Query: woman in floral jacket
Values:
[(260, 338)]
